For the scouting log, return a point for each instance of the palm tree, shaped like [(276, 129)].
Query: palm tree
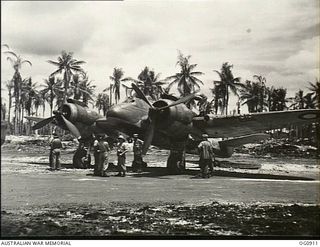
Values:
[(315, 89), (110, 88), (262, 91), (38, 101), (76, 86), (59, 92), (249, 95), (102, 103), (148, 81), (205, 106), (228, 82), (87, 89), (309, 101), (218, 93), (49, 91), (9, 86), (68, 66), (253, 94), (24, 103), (298, 102), (29, 93), (3, 110), (16, 61), (116, 78), (277, 98), (82, 87), (186, 80), (30, 89)]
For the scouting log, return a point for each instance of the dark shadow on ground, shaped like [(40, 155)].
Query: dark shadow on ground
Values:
[(160, 172)]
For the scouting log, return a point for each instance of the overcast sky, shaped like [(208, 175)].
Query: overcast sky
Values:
[(278, 39)]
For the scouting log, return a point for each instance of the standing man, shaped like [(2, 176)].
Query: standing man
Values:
[(137, 163), (101, 155), (104, 156), (121, 153), (96, 153), (54, 157), (206, 155)]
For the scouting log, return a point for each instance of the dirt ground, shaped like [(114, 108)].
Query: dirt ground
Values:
[(247, 196)]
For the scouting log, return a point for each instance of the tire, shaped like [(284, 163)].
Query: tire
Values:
[(78, 161), (176, 164)]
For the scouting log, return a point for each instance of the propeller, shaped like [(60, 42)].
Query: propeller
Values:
[(42, 123), (141, 94), (71, 127), (153, 115), (58, 115)]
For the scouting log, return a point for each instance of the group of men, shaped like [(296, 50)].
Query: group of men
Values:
[(102, 152)]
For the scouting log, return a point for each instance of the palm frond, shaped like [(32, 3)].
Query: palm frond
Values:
[(54, 63), (26, 61), (12, 53)]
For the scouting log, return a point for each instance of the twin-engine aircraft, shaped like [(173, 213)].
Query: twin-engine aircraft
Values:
[(169, 124)]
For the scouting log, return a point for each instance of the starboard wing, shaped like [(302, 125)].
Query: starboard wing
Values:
[(240, 125)]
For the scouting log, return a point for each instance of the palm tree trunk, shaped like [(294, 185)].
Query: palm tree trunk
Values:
[(43, 108), (21, 120), (227, 100), (110, 95), (66, 85), (9, 110), (15, 123)]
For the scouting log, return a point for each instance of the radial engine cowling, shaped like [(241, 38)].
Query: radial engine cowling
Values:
[(77, 113), (178, 113)]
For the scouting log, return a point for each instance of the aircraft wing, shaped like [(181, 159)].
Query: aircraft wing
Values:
[(241, 125)]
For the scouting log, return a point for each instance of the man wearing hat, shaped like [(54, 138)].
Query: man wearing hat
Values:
[(101, 154), (137, 162), (121, 153), (54, 157), (206, 154)]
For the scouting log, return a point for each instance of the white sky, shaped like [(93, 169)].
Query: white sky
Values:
[(278, 39)]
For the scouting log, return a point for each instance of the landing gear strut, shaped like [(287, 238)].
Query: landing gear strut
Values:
[(82, 158), (176, 162)]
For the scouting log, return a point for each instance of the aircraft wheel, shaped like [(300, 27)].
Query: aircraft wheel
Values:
[(176, 163), (80, 161)]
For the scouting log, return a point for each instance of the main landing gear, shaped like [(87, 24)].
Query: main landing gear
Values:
[(176, 162), (82, 157)]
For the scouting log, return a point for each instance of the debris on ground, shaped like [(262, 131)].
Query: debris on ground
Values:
[(214, 219), (280, 148)]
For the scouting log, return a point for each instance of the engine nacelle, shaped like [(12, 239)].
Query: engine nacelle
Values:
[(77, 113), (179, 113)]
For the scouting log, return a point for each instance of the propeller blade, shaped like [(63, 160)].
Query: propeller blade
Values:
[(179, 101), (148, 137), (73, 129), (43, 123), (141, 94)]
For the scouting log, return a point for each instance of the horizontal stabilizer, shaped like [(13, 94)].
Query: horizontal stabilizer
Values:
[(239, 141), (227, 146)]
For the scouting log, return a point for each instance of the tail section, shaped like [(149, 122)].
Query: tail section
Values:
[(226, 147)]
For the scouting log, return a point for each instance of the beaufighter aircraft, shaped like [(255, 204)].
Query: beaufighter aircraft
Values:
[(169, 124)]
